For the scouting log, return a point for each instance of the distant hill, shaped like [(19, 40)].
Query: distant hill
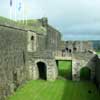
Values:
[(96, 45)]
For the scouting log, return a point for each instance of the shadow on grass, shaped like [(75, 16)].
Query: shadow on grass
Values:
[(83, 90), (67, 74)]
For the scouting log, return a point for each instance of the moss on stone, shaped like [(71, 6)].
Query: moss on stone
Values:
[(33, 25)]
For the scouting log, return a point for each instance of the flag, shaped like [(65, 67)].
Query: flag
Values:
[(20, 9), (19, 6), (10, 9), (10, 2)]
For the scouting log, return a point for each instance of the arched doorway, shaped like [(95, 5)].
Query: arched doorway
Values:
[(85, 73), (42, 70)]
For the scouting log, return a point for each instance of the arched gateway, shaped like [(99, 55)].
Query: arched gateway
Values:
[(85, 73), (42, 70)]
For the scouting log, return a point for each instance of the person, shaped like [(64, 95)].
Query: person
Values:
[(63, 52)]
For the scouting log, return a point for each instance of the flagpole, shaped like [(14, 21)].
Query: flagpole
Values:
[(10, 13), (26, 18), (20, 10), (23, 11), (10, 9), (15, 10), (19, 14), (26, 12)]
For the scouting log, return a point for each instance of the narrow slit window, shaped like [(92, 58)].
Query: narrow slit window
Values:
[(32, 37)]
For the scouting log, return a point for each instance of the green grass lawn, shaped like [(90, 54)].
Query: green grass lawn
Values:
[(98, 52), (65, 68), (57, 90)]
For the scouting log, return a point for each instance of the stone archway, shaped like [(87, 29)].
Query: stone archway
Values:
[(85, 73), (64, 68), (42, 70)]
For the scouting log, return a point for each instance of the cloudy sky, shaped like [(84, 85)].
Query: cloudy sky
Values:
[(75, 19)]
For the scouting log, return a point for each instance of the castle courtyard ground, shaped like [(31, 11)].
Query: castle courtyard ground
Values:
[(59, 89)]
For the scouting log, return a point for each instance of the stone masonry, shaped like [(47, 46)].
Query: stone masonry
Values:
[(24, 48)]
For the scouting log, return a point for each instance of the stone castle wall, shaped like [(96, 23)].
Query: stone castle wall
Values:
[(21, 50), (76, 46), (12, 60), (51, 69), (78, 64), (16, 64), (53, 39), (97, 71)]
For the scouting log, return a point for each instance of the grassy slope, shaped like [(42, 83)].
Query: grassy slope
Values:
[(33, 25)]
